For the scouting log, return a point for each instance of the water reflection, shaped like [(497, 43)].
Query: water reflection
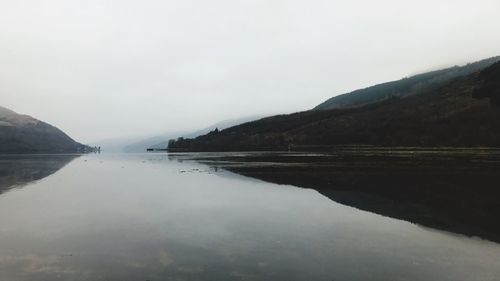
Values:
[(20, 170), (140, 217), (450, 189)]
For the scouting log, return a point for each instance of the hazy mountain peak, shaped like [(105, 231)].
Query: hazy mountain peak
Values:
[(11, 118)]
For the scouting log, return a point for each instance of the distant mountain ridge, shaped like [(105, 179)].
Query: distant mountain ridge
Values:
[(161, 141), (404, 87), (463, 112), (25, 134)]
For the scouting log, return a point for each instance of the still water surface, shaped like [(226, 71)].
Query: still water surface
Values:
[(151, 217)]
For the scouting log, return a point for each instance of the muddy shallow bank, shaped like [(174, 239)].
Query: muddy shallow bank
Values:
[(453, 189)]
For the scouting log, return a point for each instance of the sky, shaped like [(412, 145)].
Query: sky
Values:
[(100, 69)]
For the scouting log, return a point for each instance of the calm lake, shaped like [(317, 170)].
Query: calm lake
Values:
[(153, 217)]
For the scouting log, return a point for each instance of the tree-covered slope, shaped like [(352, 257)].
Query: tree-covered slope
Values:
[(405, 87), (464, 112)]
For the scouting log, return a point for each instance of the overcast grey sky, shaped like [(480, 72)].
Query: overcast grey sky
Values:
[(99, 69)]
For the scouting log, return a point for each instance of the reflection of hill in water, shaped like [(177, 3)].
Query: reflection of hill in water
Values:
[(451, 189), (18, 170)]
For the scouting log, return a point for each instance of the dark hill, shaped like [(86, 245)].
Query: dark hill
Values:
[(405, 87), (25, 134), (464, 112)]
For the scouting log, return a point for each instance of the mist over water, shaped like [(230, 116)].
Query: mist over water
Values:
[(154, 217)]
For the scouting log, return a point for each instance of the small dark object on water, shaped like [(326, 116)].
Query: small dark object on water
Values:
[(156, 149)]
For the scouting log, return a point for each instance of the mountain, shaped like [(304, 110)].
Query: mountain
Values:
[(463, 112), (133, 144), (161, 141), (405, 87), (25, 134)]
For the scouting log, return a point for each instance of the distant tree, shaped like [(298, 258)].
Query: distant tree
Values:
[(171, 143)]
